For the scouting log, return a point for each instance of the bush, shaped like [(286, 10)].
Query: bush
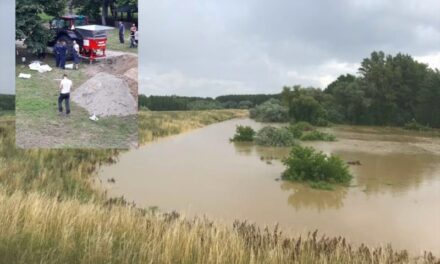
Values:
[(244, 134), (270, 111), (414, 125), (316, 135), (304, 164), (276, 137), (297, 129)]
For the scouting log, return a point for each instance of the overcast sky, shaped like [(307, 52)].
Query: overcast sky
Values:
[(209, 48), (7, 49)]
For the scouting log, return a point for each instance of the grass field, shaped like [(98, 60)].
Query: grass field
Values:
[(114, 44), (39, 124), (51, 213)]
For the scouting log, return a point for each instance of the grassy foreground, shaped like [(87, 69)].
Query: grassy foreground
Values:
[(50, 213), (39, 124)]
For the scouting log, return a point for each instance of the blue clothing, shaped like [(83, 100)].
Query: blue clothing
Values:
[(75, 57), (57, 54), (121, 33), (63, 54)]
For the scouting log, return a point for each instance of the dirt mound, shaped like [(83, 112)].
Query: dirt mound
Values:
[(116, 65), (122, 65), (106, 95)]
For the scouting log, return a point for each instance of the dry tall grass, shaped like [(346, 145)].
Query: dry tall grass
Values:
[(35, 228), (153, 125), (49, 213)]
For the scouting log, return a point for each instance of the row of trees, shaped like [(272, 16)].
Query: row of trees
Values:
[(389, 91), (182, 103)]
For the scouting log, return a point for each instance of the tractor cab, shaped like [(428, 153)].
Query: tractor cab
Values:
[(69, 22)]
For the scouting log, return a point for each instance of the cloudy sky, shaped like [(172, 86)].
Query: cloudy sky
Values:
[(7, 24), (209, 48)]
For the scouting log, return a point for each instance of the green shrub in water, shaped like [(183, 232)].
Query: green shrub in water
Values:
[(305, 164), (414, 125), (297, 129), (243, 134), (316, 135), (276, 137)]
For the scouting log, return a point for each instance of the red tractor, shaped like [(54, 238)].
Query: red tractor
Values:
[(92, 39)]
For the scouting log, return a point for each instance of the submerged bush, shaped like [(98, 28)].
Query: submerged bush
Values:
[(270, 111), (316, 135), (276, 137), (297, 129), (305, 164), (414, 125), (243, 134)]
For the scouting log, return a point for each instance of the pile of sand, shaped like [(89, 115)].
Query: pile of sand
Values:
[(105, 95)]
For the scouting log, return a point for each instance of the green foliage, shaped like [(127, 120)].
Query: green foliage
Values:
[(245, 104), (255, 99), (7, 102), (297, 129), (244, 134), (276, 137), (29, 23), (177, 103), (204, 105), (306, 108), (316, 135), (270, 111), (304, 164), (414, 125)]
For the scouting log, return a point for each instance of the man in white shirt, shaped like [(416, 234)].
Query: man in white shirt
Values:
[(65, 86)]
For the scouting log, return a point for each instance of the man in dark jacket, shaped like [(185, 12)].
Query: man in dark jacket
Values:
[(63, 55), (121, 32), (56, 51)]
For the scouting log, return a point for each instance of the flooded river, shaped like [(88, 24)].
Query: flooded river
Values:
[(394, 197)]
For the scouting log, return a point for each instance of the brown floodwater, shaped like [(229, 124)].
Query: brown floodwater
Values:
[(394, 196)]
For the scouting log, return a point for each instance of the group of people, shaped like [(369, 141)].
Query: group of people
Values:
[(134, 35), (61, 51)]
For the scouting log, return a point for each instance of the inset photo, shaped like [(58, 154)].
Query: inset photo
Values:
[(77, 75)]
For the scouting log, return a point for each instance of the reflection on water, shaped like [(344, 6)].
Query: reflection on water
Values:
[(301, 196), (394, 198)]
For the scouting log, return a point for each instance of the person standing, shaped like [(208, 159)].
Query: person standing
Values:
[(76, 54), (56, 51), (121, 32), (63, 54), (65, 86), (133, 30)]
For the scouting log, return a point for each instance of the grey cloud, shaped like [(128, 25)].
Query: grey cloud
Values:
[(266, 44)]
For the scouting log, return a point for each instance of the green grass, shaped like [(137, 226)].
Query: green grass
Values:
[(114, 44), (39, 124)]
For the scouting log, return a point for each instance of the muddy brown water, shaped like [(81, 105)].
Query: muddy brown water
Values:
[(394, 197)]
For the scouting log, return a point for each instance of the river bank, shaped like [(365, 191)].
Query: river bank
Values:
[(58, 218)]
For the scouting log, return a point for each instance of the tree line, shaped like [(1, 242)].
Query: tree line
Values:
[(183, 103), (389, 91)]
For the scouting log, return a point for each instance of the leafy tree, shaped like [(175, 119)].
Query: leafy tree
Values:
[(270, 111), (29, 25), (306, 108)]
